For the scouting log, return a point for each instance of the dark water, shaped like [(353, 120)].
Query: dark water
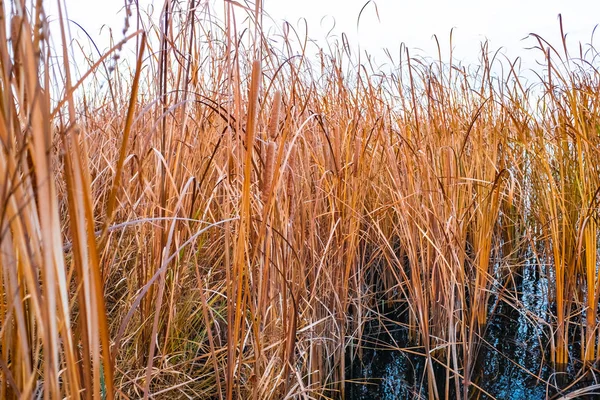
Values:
[(514, 352)]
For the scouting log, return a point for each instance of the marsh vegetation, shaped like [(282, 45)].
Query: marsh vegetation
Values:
[(225, 216)]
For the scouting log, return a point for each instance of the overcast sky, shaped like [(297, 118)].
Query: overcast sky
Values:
[(504, 23)]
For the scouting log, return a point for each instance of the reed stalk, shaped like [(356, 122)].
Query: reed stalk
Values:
[(234, 232)]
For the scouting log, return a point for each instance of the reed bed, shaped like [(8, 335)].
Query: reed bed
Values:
[(222, 217)]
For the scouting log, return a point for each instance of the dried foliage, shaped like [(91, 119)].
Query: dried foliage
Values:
[(222, 218)]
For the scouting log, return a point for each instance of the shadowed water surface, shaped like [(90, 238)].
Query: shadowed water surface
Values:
[(511, 360)]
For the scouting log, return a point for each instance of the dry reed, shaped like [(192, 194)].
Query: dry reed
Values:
[(231, 234)]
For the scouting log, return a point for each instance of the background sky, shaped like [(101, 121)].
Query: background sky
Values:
[(387, 23)]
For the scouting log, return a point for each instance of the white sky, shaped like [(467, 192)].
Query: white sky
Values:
[(504, 23)]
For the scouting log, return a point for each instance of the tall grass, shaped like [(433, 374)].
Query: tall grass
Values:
[(223, 219)]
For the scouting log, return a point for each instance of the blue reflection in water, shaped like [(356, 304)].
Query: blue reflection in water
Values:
[(514, 351)]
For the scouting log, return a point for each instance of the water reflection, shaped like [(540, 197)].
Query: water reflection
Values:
[(512, 354)]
